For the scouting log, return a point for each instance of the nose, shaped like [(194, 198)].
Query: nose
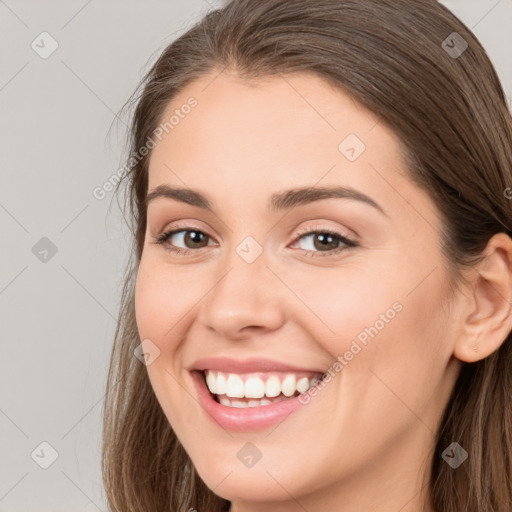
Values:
[(245, 298)]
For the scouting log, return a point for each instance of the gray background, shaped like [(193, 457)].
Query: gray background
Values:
[(58, 315)]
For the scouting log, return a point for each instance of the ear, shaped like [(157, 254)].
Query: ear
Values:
[(489, 308)]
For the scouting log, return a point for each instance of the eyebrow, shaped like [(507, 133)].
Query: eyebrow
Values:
[(279, 201)]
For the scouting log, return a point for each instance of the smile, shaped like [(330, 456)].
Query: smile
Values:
[(257, 389), (251, 394)]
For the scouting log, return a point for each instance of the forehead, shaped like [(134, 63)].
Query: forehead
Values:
[(269, 134), (291, 117)]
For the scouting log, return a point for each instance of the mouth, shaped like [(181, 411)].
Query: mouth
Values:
[(253, 394), (257, 389)]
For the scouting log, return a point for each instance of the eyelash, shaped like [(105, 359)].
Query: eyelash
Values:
[(349, 243)]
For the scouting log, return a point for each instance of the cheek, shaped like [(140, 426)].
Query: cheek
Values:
[(380, 321), (405, 361), (163, 298), (347, 305)]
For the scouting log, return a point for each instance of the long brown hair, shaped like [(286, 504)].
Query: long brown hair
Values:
[(396, 58)]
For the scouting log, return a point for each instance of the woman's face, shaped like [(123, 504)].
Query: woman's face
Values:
[(269, 295)]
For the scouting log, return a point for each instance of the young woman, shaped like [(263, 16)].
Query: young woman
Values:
[(317, 314)]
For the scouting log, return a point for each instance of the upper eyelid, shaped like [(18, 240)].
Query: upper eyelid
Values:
[(191, 225), (302, 231), (350, 234)]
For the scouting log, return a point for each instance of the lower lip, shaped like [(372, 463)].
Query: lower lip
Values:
[(243, 419)]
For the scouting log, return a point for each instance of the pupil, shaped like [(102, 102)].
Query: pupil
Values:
[(325, 239), (194, 237)]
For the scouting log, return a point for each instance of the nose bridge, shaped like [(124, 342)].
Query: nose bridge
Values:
[(245, 293)]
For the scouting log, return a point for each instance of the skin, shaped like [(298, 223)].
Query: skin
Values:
[(365, 441)]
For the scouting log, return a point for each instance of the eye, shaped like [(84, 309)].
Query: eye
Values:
[(322, 242), (325, 242), (191, 237)]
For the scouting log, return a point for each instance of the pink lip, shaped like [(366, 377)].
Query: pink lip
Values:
[(242, 420), (227, 364)]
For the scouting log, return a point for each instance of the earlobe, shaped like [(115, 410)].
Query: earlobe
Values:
[(488, 319)]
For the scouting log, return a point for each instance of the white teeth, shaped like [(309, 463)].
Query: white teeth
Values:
[(288, 385), (232, 385), (221, 384), (272, 386), (302, 385), (211, 382), (254, 388)]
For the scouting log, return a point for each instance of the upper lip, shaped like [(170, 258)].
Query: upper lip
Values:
[(228, 364)]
